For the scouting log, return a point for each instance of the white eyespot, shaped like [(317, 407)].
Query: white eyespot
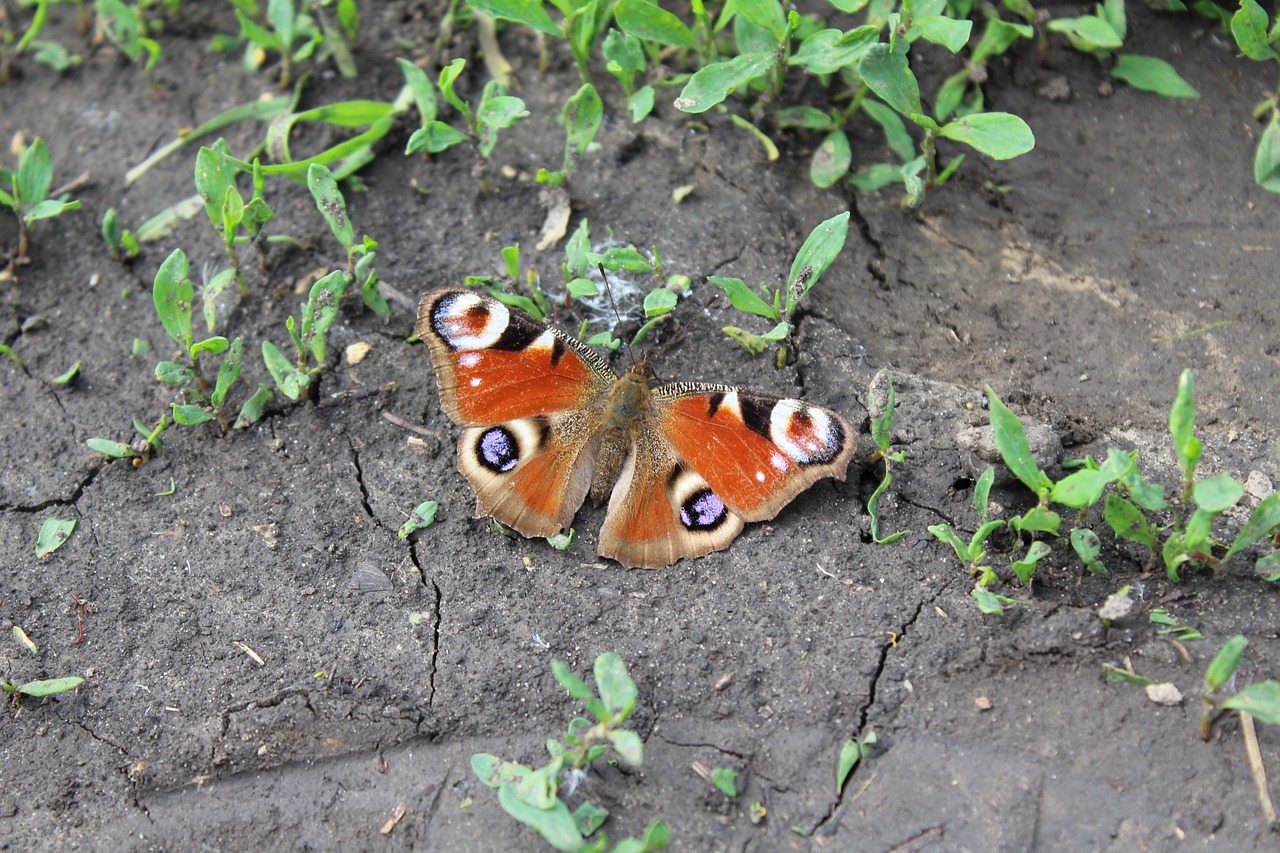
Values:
[(469, 359), (803, 433), (760, 476), (467, 322), (779, 461), (475, 381)]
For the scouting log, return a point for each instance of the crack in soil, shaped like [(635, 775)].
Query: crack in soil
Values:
[(76, 494), (439, 619)]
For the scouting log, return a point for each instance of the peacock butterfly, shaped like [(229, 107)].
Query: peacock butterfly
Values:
[(545, 420)]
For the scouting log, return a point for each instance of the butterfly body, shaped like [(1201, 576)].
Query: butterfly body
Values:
[(547, 421)]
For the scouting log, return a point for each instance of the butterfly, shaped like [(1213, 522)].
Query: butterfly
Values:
[(546, 420)]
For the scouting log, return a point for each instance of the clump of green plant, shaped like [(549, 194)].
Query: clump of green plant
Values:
[(123, 243), (881, 402), (1102, 34), (13, 44), (494, 111), (582, 24), (28, 193), (816, 254), (295, 31), (40, 689), (581, 118), (215, 177), (308, 336), (127, 27), (534, 796), (1177, 530), (360, 272), (1260, 699), (1258, 38)]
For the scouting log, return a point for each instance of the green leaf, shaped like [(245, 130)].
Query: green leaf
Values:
[(1026, 567), (831, 160), (1262, 700), (629, 746), (424, 515), (172, 294), (1001, 136), (322, 309), (590, 817), (420, 86), (818, 252), (640, 104), (982, 493), (581, 116), (764, 13), (1182, 418), (228, 373), (1263, 521), (888, 74), (948, 32), (114, 449), (744, 298), (1038, 519), (877, 176), (1011, 441), (1088, 548), (51, 686), (712, 83), (659, 302), (48, 209), (528, 12), (622, 51), (433, 137), (626, 258), (1218, 493), (850, 755), (1084, 487), (827, 51), (617, 690), (754, 344), (210, 294), (1266, 161), (66, 377), (648, 21), (989, 602), (810, 118), (189, 415), (573, 685), (1114, 673), (725, 780), (555, 824), (331, 204), (944, 533), (881, 411), (215, 178), (895, 131), (1225, 662), (251, 411), (213, 345), (1089, 33), (1268, 567), (997, 38), (1152, 75), (1249, 26), (53, 534), (34, 177), (290, 382)]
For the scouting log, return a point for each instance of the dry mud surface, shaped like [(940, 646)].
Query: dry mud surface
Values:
[(1135, 219)]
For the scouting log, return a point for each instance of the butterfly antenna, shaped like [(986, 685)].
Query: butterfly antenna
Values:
[(616, 316), (679, 333)]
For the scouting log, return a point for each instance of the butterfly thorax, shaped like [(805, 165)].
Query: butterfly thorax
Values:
[(625, 410)]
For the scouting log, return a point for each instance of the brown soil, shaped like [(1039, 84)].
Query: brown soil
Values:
[(1133, 221)]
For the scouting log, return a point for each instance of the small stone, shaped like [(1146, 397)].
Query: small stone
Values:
[(982, 703), (1055, 89), (978, 446), (1115, 607), (1258, 485), (1164, 693), (355, 353)]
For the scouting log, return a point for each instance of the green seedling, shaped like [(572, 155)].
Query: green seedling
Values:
[(41, 689), (581, 118), (13, 44), (308, 336), (818, 252), (125, 25), (1258, 38), (1169, 626), (726, 781), (582, 24), (360, 271), (1102, 34), (533, 796), (142, 448), (7, 352), (535, 304), (625, 59), (215, 177), (54, 533), (423, 516), (67, 376), (28, 193), (562, 541), (852, 752), (123, 243), (972, 554), (496, 110), (882, 401), (1114, 673), (25, 641), (285, 30), (1261, 699)]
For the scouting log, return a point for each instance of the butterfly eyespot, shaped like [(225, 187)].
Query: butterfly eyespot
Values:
[(498, 450), (464, 321), (703, 510), (809, 436)]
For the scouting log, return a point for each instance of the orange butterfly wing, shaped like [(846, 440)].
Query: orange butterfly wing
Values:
[(530, 397)]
